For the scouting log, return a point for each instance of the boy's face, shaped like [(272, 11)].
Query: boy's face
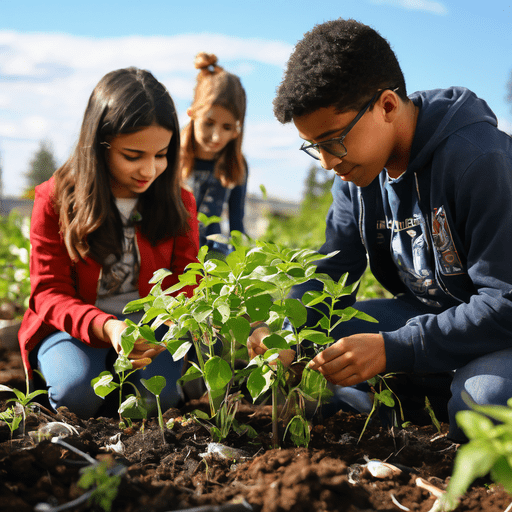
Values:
[(369, 143)]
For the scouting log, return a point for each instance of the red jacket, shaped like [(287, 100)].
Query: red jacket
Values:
[(63, 292)]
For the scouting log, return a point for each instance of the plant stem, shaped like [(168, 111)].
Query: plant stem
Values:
[(275, 430)]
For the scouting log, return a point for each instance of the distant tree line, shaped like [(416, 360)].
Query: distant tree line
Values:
[(41, 168)]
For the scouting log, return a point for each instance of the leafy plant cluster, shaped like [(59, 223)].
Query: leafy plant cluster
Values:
[(488, 451), (212, 327), (14, 261)]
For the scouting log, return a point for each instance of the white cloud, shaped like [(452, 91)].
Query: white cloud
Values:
[(505, 125), (416, 5), (46, 80)]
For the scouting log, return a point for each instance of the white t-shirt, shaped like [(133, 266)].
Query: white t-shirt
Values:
[(120, 285)]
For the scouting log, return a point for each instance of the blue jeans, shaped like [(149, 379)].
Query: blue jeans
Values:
[(487, 380), (68, 366)]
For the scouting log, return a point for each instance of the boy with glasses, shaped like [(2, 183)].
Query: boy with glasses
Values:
[(422, 192)]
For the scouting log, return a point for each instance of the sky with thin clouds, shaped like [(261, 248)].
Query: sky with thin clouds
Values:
[(53, 53)]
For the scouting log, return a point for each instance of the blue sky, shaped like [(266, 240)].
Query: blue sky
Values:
[(53, 53)]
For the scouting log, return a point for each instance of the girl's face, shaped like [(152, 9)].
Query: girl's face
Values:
[(213, 129), (135, 160)]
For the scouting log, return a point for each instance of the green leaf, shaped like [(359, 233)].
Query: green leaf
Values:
[(296, 312), (207, 220), (474, 424), (104, 384), (258, 307), (501, 473), (240, 328), (315, 337), (137, 305), (299, 430), (128, 338), (313, 385), (160, 275), (259, 381), (386, 398), (178, 348), (217, 373), (501, 413), (276, 341), (473, 460), (155, 384), (122, 364), (191, 374), (147, 333), (313, 297), (221, 304), (201, 311), (133, 407), (363, 316)]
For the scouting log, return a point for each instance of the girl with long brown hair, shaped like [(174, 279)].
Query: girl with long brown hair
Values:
[(111, 216)]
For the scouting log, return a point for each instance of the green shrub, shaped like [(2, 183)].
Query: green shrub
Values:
[(14, 262)]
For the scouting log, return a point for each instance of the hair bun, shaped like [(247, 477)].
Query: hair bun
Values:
[(204, 60)]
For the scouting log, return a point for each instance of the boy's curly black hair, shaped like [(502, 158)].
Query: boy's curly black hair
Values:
[(340, 63)]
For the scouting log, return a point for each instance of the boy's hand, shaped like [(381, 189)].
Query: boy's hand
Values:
[(256, 347), (352, 360), (143, 352)]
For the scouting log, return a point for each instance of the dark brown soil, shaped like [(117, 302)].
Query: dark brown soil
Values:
[(161, 473)]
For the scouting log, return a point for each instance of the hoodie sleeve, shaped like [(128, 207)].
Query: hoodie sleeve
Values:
[(476, 185)]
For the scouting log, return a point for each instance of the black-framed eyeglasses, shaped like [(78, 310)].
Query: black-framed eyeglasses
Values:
[(335, 146)]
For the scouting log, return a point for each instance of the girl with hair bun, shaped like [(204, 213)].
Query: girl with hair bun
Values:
[(211, 160)]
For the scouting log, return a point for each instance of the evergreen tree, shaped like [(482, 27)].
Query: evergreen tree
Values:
[(318, 182), (42, 166)]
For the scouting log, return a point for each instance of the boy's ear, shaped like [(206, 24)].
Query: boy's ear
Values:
[(189, 112), (390, 104)]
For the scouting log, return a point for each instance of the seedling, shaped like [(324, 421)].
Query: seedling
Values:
[(12, 420), (382, 395), (155, 385), (104, 384), (22, 399), (105, 478)]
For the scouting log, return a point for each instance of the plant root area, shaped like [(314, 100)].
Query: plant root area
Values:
[(181, 470)]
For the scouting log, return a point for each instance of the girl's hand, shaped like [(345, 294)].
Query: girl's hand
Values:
[(256, 347), (143, 352)]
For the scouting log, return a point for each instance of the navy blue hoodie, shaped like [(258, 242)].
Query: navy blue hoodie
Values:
[(441, 232)]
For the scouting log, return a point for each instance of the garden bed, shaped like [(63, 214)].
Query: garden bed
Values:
[(160, 473)]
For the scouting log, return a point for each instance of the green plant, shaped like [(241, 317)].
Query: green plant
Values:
[(225, 420), (432, 414), (132, 406), (250, 285), (105, 478), (12, 419), (155, 385), (14, 261), (382, 395), (488, 450), (22, 399)]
